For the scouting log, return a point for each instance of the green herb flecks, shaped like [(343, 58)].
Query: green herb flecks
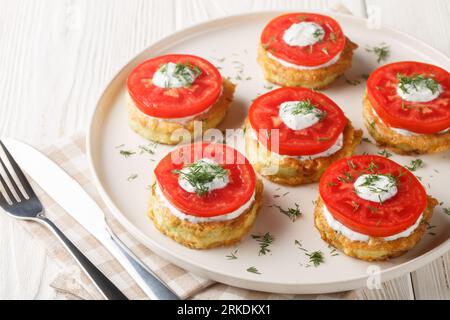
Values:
[(318, 34), (184, 73), (232, 255), (292, 213), (264, 242), (200, 174), (306, 107), (132, 177), (414, 165), (385, 153), (447, 211), (126, 153), (416, 82), (371, 179), (316, 258), (299, 245), (382, 52), (253, 270)]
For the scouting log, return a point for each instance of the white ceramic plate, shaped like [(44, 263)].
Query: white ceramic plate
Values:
[(285, 269)]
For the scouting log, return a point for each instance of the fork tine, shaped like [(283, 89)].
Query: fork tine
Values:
[(3, 201), (11, 179), (8, 191), (23, 180)]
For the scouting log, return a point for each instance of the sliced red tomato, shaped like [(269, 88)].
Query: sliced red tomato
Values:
[(216, 202), (421, 117), (174, 102), (264, 117), (320, 53), (371, 218)]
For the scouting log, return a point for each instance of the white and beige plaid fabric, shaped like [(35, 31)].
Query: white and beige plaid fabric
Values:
[(70, 155)]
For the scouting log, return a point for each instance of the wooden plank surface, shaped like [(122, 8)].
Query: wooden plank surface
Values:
[(56, 57)]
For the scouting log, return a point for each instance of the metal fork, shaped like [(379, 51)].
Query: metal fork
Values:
[(25, 205)]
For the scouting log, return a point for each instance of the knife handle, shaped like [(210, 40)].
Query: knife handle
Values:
[(103, 284), (147, 280)]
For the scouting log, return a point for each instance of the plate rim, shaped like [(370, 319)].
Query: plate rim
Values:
[(253, 284)]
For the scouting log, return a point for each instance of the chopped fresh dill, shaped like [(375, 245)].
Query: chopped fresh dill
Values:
[(253, 270), (200, 174), (414, 165), (184, 73), (232, 255), (371, 179), (126, 153), (385, 153), (132, 177), (292, 213), (447, 211), (382, 52), (146, 149), (406, 83), (318, 33), (316, 258), (264, 242), (299, 245)]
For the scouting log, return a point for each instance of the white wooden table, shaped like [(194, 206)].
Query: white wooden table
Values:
[(56, 57)]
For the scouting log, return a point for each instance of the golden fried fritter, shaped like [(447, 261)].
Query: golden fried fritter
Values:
[(401, 144), (204, 235), (161, 131), (292, 171), (377, 249), (320, 78)]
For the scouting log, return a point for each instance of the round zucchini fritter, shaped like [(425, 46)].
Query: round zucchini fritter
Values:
[(161, 131), (292, 171), (320, 78), (204, 235), (377, 249), (405, 145)]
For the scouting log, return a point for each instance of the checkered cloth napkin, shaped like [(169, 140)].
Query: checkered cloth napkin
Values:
[(70, 155)]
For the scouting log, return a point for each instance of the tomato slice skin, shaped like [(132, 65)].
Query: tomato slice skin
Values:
[(264, 115), (216, 202), (174, 102), (308, 56), (371, 218), (420, 117)]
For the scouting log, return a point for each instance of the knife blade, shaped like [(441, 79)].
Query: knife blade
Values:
[(75, 201)]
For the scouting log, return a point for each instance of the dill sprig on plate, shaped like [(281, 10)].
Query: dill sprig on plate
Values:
[(232, 255), (253, 270), (414, 165), (200, 173), (405, 83), (126, 153), (382, 52), (264, 242), (447, 211), (292, 213), (316, 258), (132, 177), (385, 153)]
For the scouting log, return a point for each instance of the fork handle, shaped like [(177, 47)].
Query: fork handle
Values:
[(103, 284)]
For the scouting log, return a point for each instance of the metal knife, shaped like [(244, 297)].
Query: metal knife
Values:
[(75, 201)]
